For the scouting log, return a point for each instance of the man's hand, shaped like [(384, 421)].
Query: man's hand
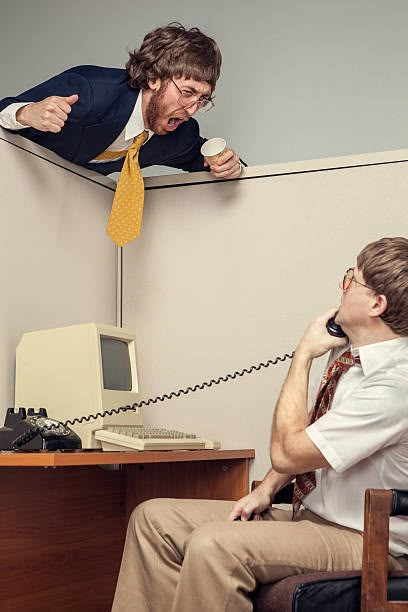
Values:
[(254, 503), (49, 115), (227, 166), (317, 341)]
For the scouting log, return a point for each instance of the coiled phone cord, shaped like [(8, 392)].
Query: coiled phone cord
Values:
[(26, 437), (169, 396)]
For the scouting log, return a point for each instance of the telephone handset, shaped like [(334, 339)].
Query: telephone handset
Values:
[(334, 329)]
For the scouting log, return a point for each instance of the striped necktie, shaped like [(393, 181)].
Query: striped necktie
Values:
[(127, 209), (305, 483)]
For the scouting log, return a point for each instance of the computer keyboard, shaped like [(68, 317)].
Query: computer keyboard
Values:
[(128, 437)]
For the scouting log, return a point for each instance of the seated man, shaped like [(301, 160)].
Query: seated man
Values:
[(190, 555)]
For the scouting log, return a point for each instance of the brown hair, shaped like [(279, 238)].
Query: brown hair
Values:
[(384, 264), (173, 51)]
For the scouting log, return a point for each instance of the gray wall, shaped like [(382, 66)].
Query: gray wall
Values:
[(300, 80)]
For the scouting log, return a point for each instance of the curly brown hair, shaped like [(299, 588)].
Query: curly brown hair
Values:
[(173, 51), (384, 264)]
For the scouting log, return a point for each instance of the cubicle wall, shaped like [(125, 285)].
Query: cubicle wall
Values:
[(228, 274), (58, 264)]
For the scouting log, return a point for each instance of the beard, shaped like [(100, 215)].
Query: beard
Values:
[(155, 110)]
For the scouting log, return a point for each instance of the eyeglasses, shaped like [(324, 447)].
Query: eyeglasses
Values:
[(188, 98), (348, 277)]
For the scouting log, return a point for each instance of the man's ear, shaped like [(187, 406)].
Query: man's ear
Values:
[(154, 84), (379, 305)]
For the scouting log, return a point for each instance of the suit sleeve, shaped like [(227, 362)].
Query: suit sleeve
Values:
[(64, 84), (66, 142)]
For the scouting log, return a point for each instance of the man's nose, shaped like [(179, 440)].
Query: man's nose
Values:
[(192, 108)]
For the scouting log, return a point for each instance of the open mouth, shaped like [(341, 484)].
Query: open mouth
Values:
[(173, 123)]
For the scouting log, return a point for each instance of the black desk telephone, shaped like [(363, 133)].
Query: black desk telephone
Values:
[(36, 431)]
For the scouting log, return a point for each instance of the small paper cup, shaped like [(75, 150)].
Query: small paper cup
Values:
[(212, 149)]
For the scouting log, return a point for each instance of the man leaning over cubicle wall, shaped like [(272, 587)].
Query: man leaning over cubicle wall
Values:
[(88, 110)]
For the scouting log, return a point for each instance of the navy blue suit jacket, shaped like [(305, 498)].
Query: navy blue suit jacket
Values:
[(104, 106)]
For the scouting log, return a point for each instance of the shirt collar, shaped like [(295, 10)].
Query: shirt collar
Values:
[(135, 124), (375, 355)]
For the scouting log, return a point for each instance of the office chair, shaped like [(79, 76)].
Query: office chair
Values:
[(366, 590)]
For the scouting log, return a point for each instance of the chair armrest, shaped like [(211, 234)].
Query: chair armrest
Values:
[(379, 506)]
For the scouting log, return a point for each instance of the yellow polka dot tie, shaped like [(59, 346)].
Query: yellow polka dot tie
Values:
[(127, 209)]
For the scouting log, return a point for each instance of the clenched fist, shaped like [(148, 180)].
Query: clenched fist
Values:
[(49, 115)]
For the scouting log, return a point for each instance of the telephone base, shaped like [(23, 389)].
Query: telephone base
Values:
[(30, 430)]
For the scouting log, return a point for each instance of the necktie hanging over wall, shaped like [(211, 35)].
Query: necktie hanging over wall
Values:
[(305, 483), (126, 214)]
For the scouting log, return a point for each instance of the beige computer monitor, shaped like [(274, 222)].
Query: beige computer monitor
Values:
[(79, 370)]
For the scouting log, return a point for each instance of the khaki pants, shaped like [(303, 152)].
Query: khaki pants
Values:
[(183, 555)]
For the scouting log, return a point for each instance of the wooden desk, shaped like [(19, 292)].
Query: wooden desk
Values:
[(63, 517)]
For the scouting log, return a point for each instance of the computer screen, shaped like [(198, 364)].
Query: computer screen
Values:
[(116, 368), (79, 370)]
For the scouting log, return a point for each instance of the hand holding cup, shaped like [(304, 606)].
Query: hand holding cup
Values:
[(224, 163)]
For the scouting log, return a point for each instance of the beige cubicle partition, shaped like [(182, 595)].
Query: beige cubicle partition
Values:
[(58, 265), (228, 274)]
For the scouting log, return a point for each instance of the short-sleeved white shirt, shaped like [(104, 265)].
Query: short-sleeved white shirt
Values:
[(364, 438)]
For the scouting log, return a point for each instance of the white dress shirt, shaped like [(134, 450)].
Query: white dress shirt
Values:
[(364, 437), (8, 116)]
